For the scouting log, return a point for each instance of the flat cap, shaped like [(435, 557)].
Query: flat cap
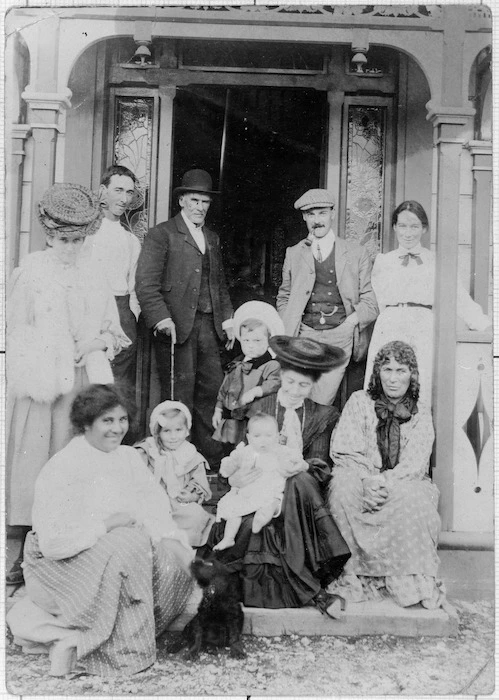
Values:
[(315, 198)]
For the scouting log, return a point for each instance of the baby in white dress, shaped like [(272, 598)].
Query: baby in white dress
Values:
[(263, 496)]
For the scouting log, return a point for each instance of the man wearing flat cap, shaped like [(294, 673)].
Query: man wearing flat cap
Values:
[(326, 291), (183, 296)]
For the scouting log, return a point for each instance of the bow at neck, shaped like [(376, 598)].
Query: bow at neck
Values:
[(249, 364), (390, 416), (408, 256)]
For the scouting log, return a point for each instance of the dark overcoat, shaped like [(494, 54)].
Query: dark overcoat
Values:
[(168, 277)]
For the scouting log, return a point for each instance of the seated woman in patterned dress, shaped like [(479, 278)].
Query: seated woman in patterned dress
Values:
[(381, 495), (106, 569)]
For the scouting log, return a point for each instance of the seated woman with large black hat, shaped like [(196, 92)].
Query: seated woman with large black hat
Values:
[(290, 562)]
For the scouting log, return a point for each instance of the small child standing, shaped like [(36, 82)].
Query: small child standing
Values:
[(271, 463), (179, 468), (250, 376)]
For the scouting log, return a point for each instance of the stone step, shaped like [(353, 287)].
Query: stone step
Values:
[(370, 618)]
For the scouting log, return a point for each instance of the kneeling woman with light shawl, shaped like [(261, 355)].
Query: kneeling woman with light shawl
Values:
[(106, 569)]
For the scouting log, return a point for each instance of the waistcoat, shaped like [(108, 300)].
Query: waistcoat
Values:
[(325, 296), (204, 299)]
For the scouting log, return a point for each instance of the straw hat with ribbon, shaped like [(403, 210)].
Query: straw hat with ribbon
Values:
[(69, 210)]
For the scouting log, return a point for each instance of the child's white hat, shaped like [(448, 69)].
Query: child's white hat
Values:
[(157, 416), (262, 312)]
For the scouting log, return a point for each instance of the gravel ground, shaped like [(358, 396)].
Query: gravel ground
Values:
[(292, 665)]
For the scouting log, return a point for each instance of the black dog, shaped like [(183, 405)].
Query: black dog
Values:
[(220, 618)]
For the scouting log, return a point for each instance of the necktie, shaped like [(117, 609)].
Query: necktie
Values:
[(405, 258), (319, 254)]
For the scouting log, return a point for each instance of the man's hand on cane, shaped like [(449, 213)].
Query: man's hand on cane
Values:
[(167, 327)]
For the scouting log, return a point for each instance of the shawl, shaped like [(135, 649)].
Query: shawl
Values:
[(390, 416), (170, 466)]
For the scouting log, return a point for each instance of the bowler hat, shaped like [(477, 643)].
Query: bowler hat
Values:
[(195, 181), (306, 353)]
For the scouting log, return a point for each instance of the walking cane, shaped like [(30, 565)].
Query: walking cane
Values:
[(172, 370)]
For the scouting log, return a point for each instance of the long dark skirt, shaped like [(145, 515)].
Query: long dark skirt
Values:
[(291, 559)]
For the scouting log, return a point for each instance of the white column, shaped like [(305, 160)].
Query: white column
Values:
[(46, 117), (450, 132), (13, 189)]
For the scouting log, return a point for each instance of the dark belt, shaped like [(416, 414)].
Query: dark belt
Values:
[(412, 303)]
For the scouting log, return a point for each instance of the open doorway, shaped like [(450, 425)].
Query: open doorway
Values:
[(264, 146)]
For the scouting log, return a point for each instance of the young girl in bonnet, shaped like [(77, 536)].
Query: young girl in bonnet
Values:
[(179, 468), (250, 376)]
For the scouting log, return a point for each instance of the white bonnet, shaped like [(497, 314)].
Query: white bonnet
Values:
[(261, 311), (157, 416)]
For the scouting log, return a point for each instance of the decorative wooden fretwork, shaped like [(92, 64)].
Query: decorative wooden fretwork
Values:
[(481, 12), (413, 11), (478, 425)]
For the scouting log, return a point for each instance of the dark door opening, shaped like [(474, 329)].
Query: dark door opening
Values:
[(264, 146)]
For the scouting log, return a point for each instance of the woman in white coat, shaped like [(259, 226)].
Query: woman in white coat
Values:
[(62, 331)]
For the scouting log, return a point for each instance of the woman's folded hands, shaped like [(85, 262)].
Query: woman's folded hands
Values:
[(375, 494)]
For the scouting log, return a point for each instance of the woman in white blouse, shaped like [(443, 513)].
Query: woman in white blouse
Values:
[(106, 569), (403, 281)]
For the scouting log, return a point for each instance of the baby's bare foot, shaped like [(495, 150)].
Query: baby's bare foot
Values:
[(224, 544)]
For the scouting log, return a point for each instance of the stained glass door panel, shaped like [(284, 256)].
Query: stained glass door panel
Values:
[(366, 171), (134, 140)]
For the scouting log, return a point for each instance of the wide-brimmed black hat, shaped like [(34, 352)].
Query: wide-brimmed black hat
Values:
[(305, 353), (195, 181)]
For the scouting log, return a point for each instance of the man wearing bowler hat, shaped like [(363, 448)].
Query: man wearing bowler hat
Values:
[(326, 291), (183, 296)]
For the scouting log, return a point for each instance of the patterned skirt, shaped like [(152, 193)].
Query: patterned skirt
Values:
[(394, 549), (118, 595)]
